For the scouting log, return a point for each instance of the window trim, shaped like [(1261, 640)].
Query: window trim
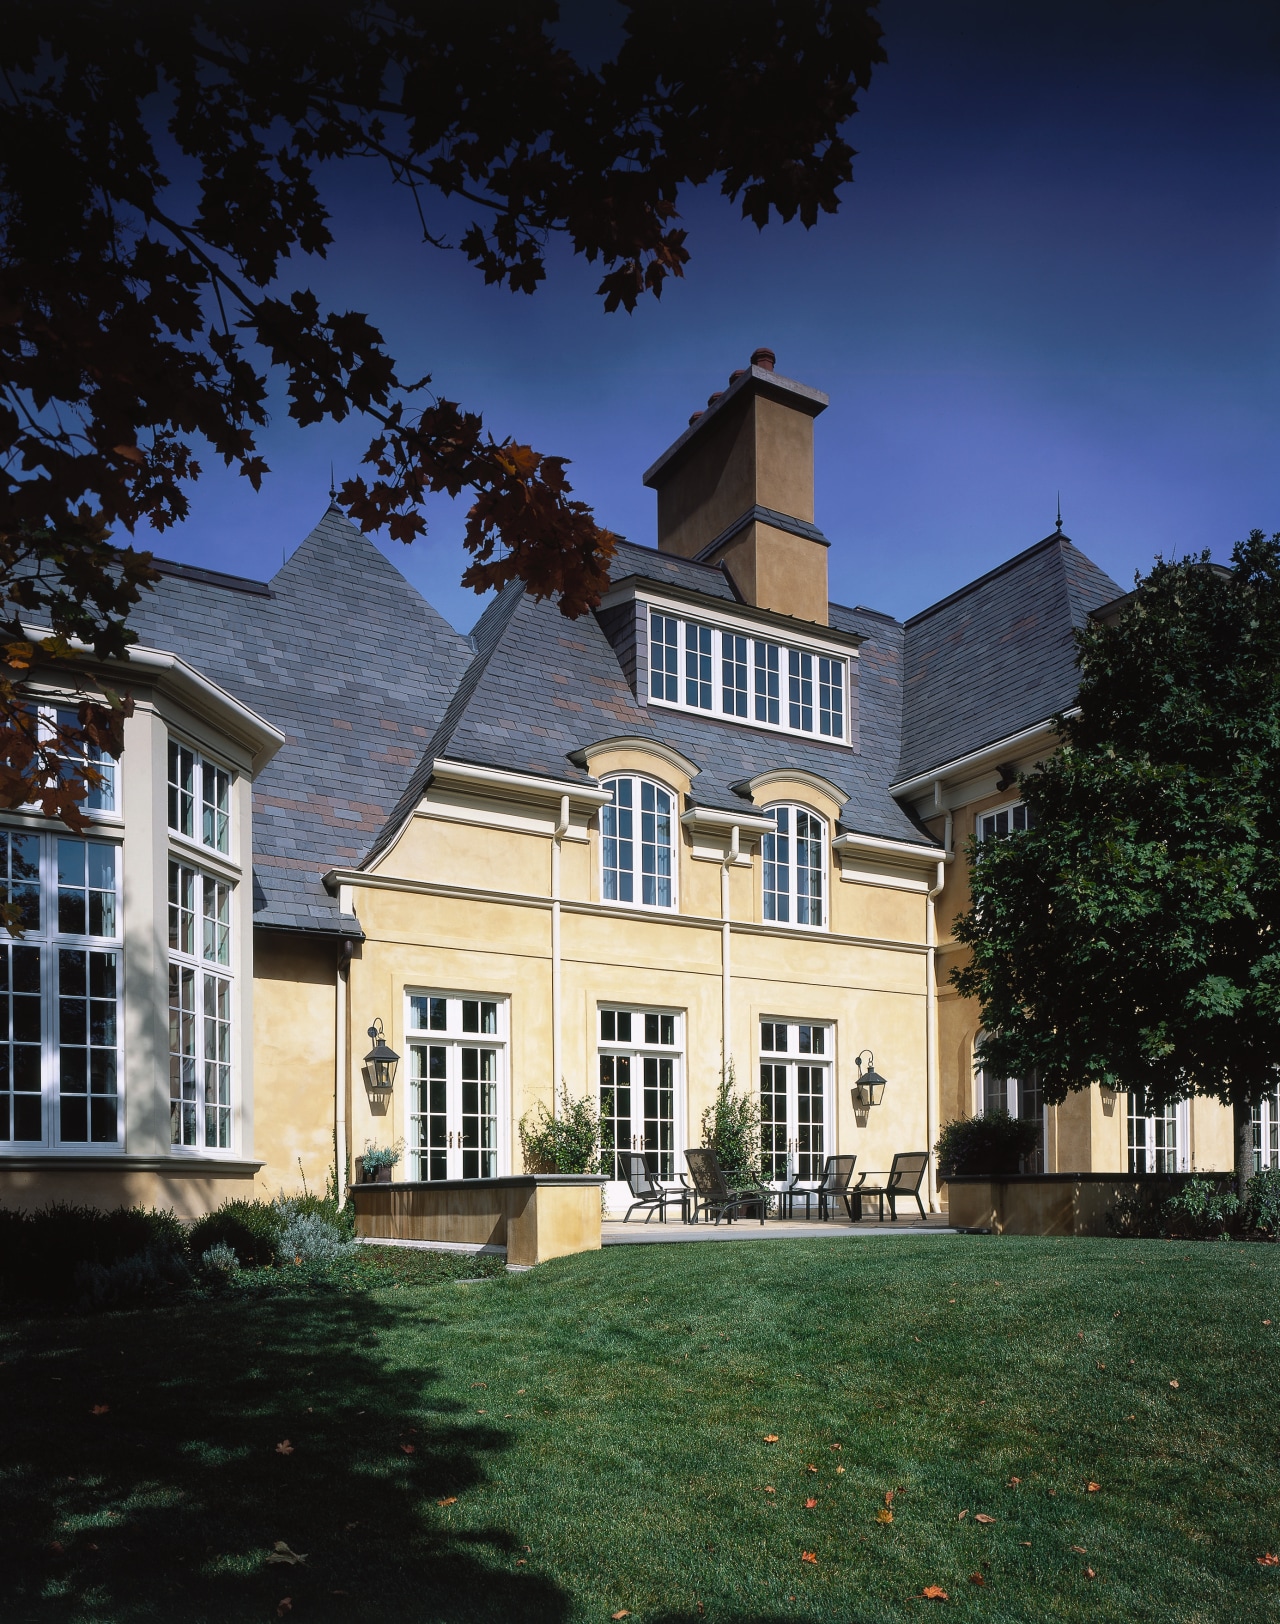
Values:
[(791, 1058), (787, 644), (202, 968), (991, 812), (195, 842), (416, 1037), (824, 868), (637, 871), (638, 1049)]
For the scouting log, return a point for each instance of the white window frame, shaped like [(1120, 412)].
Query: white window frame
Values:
[(637, 1047), (1179, 1115), (203, 1079), (51, 943), (205, 812), (1009, 808), (699, 678), (1266, 1131), (797, 1051), (823, 868), (983, 1085), (639, 782), (454, 1037)]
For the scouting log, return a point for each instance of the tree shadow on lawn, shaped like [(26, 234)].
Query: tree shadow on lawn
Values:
[(166, 1504)]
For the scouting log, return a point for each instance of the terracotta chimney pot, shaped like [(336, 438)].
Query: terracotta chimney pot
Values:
[(734, 376), (765, 359), (694, 418), (711, 399)]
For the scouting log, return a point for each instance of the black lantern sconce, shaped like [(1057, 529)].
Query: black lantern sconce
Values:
[(870, 1086), (380, 1063)]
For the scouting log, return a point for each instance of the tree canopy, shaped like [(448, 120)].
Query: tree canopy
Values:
[(161, 175), (1129, 935)]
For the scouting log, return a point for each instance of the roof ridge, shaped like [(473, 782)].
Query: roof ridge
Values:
[(991, 575), (498, 614)]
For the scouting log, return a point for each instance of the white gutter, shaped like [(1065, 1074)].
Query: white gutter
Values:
[(511, 783), (989, 755), (706, 817), (875, 845)]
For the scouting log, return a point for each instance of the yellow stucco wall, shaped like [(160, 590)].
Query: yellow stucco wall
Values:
[(295, 1040)]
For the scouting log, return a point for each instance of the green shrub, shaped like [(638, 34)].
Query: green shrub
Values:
[(129, 1281), (1262, 1203), (219, 1264), (250, 1228), (731, 1127), (325, 1208), (568, 1142), (991, 1143), (1202, 1207), (307, 1237), (41, 1251)]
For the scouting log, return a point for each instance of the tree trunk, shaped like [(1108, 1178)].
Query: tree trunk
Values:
[(1243, 1115)]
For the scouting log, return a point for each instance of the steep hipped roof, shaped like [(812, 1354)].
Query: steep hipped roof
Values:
[(356, 668), (998, 656)]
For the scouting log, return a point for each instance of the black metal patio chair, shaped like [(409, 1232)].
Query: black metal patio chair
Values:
[(830, 1189), (711, 1193), (648, 1192), (904, 1178)]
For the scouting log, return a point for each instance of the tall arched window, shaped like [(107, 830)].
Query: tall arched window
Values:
[(637, 845), (795, 862)]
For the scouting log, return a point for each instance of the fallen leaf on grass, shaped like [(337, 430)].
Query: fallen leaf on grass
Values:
[(1014, 1481), (809, 1504), (479, 1384), (1078, 1549), (768, 1488), (839, 1471), (1090, 1574), (888, 1497), (982, 1517), (963, 1515), (841, 1446), (976, 1579), (285, 1448), (811, 1468), (884, 1515), (1269, 1561), (808, 1556), (408, 1449), (285, 1605), (1093, 1487), (1101, 1366), (934, 1593), (100, 1409), (771, 1437), (1024, 1542), (280, 1552), (1173, 1384), (521, 1562), (449, 1500), (56, 1546), (1266, 1322), (623, 1612)]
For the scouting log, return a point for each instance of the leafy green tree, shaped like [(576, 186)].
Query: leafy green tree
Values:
[(566, 1142), (731, 1127), (161, 174), (1132, 935)]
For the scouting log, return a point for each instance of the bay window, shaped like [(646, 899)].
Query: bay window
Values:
[(199, 1009), (199, 798), (794, 862)]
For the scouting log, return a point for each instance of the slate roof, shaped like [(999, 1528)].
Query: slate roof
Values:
[(671, 570), (998, 656), (352, 664)]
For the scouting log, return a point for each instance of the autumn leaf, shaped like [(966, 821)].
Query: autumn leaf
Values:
[(1268, 1561), (479, 1384), (809, 1504), (281, 1553), (888, 1497), (1014, 1481), (623, 1612), (981, 1516), (449, 1500), (808, 1556), (811, 1468), (771, 1437), (963, 1515), (934, 1593), (1078, 1549), (285, 1605), (884, 1515), (1173, 1384), (839, 1471), (768, 1488), (841, 1446), (408, 1449), (1093, 1488), (976, 1579), (285, 1448), (1266, 1322), (100, 1409), (129, 452), (1090, 1574)]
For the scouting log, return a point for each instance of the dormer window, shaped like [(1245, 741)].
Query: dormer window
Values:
[(731, 674), (795, 862), (638, 862)]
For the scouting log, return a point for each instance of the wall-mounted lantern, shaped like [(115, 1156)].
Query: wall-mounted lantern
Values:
[(380, 1063), (869, 1088)]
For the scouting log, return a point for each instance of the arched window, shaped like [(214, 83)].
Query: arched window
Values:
[(795, 863), (1020, 1096), (637, 843)]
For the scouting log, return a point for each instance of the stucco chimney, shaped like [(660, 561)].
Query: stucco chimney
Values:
[(737, 489)]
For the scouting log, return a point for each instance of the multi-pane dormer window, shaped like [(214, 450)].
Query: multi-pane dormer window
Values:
[(731, 674), (199, 798)]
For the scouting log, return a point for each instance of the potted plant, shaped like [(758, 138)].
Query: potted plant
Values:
[(374, 1167)]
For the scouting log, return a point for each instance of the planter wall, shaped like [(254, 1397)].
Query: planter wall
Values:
[(534, 1216), (1051, 1203)]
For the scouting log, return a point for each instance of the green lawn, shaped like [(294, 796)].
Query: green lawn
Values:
[(590, 1437)]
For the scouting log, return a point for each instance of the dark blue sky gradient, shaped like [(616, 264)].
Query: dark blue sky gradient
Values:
[(1056, 269)]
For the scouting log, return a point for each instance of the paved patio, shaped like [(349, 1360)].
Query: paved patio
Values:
[(616, 1232)]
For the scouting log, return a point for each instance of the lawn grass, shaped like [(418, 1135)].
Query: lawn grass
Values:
[(590, 1437)]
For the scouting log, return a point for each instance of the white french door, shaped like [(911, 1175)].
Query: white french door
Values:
[(1159, 1141), (457, 1086), (640, 1066), (795, 1099)]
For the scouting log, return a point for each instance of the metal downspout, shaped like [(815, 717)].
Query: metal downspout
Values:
[(726, 1000), (933, 1103), (557, 1058)]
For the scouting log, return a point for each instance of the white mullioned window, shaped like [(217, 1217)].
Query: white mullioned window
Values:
[(457, 1085), (795, 1098), (60, 989), (1004, 820), (729, 673), (199, 798), (637, 843), (200, 997), (1021, 1097), (794, 867), (640, 1059), (1266, 1131), (1158, 1137)]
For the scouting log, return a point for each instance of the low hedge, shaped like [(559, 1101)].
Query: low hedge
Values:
[(41, 1251), (992, 1143)]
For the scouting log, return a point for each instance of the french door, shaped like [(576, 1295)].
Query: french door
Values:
[(795, 1100), (640, 1054), (457, 1086), (1159, 1140)]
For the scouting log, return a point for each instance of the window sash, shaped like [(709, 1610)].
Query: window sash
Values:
[(655, 838), (794, 867), (1004, 820), (457, 1072), (199, 798), (638, 1087), (795, 1098)]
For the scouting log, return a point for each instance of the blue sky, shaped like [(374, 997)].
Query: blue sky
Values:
[(1056, 269)]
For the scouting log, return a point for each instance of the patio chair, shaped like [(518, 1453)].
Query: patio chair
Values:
[(642, 1181), (904, 1178), (831, 1188), (712, 1194)]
